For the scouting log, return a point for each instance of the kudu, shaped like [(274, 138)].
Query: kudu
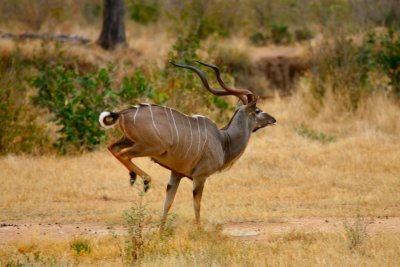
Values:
[(189, 146)]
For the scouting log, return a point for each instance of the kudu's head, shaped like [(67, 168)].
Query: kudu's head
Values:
[(256, 117)]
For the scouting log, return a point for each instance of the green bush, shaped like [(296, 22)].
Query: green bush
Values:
[(355, 70), (184, 88), (303, 34), (387, 57), (205, 18), (259, 38), (280, 34), (20, 130), (274, 33), (76, 99), (143, 11)]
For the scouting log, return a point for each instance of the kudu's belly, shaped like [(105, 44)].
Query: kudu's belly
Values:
[(176, 163)]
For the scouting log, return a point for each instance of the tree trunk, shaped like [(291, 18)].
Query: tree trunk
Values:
[(113, 30)]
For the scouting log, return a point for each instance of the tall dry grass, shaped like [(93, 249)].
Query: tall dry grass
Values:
[(190, 248)]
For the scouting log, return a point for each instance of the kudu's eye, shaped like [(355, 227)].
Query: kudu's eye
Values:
[(258, 110)]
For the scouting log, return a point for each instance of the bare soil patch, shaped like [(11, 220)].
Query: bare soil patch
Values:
[(262, 231), (246, 231)]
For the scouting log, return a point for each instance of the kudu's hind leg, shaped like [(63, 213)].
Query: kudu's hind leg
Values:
[(172, 187), (122, 151), (198, 186)]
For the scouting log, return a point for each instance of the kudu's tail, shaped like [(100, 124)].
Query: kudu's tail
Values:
[(108, 119)]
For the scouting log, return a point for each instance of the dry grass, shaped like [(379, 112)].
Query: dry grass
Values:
[(192, 248), (143, 45), (281, 175)]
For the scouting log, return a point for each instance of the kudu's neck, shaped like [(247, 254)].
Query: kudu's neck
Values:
[(236, 136)]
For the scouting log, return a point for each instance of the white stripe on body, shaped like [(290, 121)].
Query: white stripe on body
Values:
[(154, 124), (191, 138), (134, 117), (121, 123), (198, 127), (206, 133), (169, 124), (176, 129)]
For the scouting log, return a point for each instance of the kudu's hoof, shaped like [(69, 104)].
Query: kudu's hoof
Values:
[(132, 180)]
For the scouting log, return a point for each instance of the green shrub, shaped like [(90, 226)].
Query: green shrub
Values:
[(387, 58), (351, 70), (205, 18), (280, 34), (184, 88), (303, 34), (75, 101), (143, 11), (276, 33), (259, 38), (337, 67), (20, 131)]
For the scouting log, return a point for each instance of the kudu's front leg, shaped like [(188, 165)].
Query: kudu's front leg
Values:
[(122, 150), (172, 187), (198, 186)]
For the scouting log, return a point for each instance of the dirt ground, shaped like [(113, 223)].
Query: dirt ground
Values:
[(246, 231)]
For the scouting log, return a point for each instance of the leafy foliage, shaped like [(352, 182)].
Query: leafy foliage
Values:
[(358, 70), (185, 89), (20, 131), (144, 12), (205, 18), (76, 99), (387, 57), (279, 33)]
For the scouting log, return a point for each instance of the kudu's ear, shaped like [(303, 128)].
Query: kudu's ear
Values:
[(239, 103), (252, 105)]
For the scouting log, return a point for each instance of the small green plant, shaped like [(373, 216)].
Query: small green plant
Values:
[(80, 246), (138, 220), (304, 131), (355, 233)]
